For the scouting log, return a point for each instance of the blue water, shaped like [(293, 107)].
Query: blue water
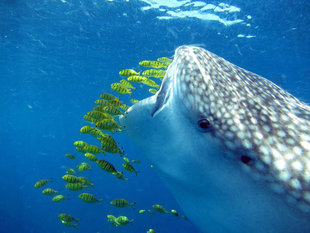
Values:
[(56, 57)]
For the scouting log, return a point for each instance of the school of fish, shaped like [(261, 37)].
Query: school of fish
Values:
[(102, 120)]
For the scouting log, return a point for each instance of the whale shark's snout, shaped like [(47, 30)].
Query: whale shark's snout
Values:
[(233, 147)]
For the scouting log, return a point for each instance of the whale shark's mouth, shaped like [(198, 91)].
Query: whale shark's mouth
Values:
[(165, 91)]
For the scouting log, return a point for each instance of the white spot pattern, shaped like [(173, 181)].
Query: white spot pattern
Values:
[(250, 115)]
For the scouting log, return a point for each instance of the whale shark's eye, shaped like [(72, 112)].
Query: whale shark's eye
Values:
[(204, 125), (246, 159)]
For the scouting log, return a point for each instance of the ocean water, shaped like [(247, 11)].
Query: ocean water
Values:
[(58, 56)]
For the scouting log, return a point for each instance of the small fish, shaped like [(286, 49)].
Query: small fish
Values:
[(119, 175), (98, 114), (134, 101), (153, 91), (59, 198), (75, 186), (70, 156), (128, 72), (123, 220), (67, 218), (153, 64), (79, 144), (154, 73), (184, 217), (113, 220), (121, 203), (129, 168), (106, 166), (85, 181), (107, 96), (136, 79), (164, 59), (40, 183), (150, 211), (108, 125), (126, 84), (151, 231), (175, 213), (89, 198), (83, 167), (119, 88), (112, 111), (159, 209), (141, 211), (92, 149), (90, 156), (71, 179), (102, 102), (86, 129), (70, 171), (126, 160), (150, 82), (49, 191)]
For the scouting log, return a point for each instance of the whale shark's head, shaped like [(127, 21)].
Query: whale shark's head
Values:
[(233, 147)]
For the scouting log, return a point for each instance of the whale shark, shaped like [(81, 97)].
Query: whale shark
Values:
[(232, 147)]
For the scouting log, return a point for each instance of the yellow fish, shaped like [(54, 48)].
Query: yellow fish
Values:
[(154, 64), (136, 79), (150, 82), (79, 144), (41, 183), (119, 175), (85, 181), (159, 209), (88, 198), (164, 59), (112, 111), (134, 101), (107, 96), (126, 84), (67, 218), (141, 211), (108, 125), (129, 167), (119, 88), (106, 166), (153, 91), (126, 160), (128, 72), (49, 191), (71, 179), (59, 198), (151, 231), (154, 73), (121, 203), (90, 156), (70, 171), (91, 149), (75, 186), (175, 213), (83, 167), (70, 156), (123, 220)]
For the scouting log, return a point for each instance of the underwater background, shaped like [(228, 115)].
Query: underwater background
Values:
[(58, 56)]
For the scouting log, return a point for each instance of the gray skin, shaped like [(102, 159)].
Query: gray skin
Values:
[(233, 148)]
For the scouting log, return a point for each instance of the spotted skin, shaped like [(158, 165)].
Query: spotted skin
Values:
[(253, 116), (248, 167)]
